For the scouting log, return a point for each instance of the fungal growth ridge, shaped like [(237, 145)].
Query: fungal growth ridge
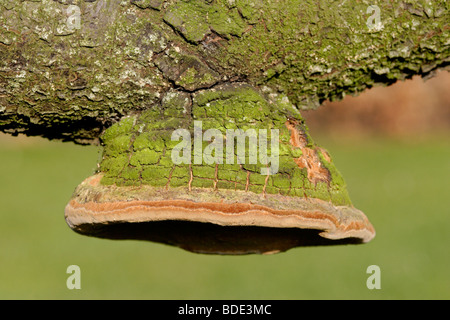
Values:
[(226, 170)]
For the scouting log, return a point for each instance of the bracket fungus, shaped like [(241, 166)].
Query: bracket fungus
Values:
[(211, 192)]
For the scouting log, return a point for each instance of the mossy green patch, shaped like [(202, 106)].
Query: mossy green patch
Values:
[(202, 183), (114, 165), (257, 179), (143, 141), (203, 171), (131, 173), (118, 145), (145, 157), (195, 19), (336, 177), (155, 176), (226, 185), (118, 129), (340, 197), (281, 181), (139, 150)]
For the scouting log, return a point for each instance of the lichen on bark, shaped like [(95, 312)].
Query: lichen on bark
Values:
[(71, 84)]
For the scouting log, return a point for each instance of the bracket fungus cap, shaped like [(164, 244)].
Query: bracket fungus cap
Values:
[(223, 222), (224, 206)]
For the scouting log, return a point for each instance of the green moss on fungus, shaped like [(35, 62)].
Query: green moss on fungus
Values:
[(113, 166), (145, 157), (139, 150), (118, 129)]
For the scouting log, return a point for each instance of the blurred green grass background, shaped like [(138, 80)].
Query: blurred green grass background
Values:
[(401, 185)]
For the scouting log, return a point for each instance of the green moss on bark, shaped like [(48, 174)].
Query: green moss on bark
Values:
[(70, 84)]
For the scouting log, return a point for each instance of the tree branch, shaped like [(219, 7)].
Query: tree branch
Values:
[(69, 69)]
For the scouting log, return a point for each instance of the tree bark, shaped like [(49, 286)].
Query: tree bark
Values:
[(69, 68)]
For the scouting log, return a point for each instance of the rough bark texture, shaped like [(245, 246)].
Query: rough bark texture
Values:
[(63, 82)]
